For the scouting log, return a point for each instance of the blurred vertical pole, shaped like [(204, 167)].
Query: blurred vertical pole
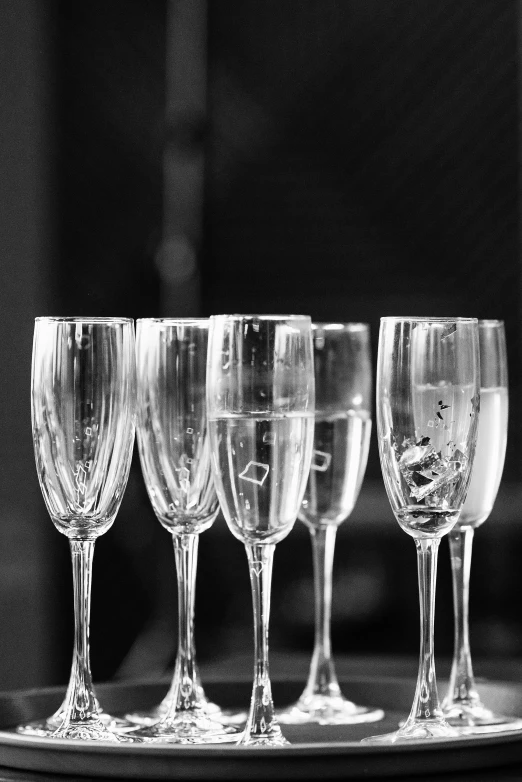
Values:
[(25, 255), (518, 260), (186, 93)]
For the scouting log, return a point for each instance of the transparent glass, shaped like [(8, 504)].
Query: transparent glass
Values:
[(343, 388), (83, 416), (260, 398), (462, 705), (175, 459), (427, 420)]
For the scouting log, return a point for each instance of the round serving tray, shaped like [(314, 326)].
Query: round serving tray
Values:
[(316, 752)]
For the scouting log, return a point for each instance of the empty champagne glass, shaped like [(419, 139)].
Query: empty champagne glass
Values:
[(462, 706), (343, 387), (260, 401), (175, 459), (427, 405), (83, 411)]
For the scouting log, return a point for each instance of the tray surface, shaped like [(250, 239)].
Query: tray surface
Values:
[(316, 752)]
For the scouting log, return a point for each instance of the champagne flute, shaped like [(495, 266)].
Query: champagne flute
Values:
[(343, 387), (260, 398), (427, 416), (175, 459), (462, 706), (83, 415)]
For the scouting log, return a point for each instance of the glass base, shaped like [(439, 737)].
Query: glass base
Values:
[(327, 710), (91, 730), (188, 727), (212, 710), (273, 738), (476, 718), (414, 730), (49, 726)]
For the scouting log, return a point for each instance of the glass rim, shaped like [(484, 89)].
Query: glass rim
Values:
[(174, 321), (340, 326), (254, 316), (82, 319), (490, 322), (435, 319)]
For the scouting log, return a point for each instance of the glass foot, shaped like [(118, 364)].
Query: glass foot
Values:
[(212, 710), (273, 738), (476, 718), (49, 726), (327, 710), (188, 727), (91, 730), (414, 730)]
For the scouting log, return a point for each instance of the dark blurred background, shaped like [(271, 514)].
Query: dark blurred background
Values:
[(343, 158)]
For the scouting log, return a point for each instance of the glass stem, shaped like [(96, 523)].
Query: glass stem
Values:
[(185, 696), (80, 703), (261, 719), (186, 603), (322, 679), (426, 704), (462, 684)]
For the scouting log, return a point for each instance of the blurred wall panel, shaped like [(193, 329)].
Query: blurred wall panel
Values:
[(110, 64), (82, 120), (110, 118), (363, 161), (27, 271)]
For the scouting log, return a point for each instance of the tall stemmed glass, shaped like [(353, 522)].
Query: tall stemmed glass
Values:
[(83, 413), (175, 459), (343, 387), (427, 405), (260, 397), (462, 706)]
